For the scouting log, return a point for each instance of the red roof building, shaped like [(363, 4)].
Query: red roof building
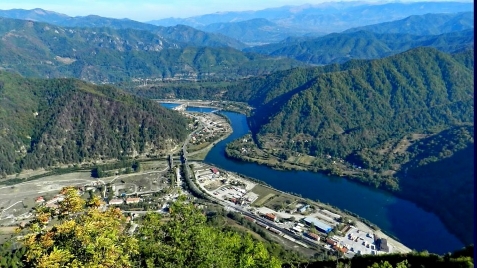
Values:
[(342, 249), (331, 241), (271, 216), (313, 236)]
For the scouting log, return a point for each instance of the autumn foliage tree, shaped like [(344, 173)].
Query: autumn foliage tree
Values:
[(84, 237)]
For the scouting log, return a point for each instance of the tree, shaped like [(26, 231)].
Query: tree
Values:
[(187, 241), (89, 237), (382, 264), (386, 264), (84, 237), (136, 166)]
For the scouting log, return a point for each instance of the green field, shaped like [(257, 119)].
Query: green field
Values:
[(283, 200), (264, 194)]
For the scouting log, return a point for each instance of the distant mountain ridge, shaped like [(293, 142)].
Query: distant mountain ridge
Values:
[(107, 55), (185, 34), (427, 24), (253, 31), (326, 17), (341, 47)]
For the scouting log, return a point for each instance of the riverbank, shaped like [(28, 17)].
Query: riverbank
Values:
[(415, 227), (245, 149), (200, 155), (268, 198)]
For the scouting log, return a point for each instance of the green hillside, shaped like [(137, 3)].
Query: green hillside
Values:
[(345, 112), (445, 161), (46, 123), (106, 55), (341, 47), (369, 114)]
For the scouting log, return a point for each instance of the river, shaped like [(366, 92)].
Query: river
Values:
[(412, 225)]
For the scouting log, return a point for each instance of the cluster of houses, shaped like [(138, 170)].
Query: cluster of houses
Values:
[(121, 201), (209, 132), (54, 202)]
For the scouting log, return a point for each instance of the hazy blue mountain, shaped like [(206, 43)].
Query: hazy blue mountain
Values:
[(253, 32), (189, 35), (341, 47), (36, 14), (325, 17), (428, 24)]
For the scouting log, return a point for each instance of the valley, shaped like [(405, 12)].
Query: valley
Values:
[(156, 184), (316, 135)]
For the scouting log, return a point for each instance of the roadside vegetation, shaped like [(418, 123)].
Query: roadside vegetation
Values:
[(80, 234)]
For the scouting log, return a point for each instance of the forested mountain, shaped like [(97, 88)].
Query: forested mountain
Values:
[(188, 35), (341, 47), (326, 17), (336, 111), (427, 24), (365, 112), (45, 123), (253, 32), (110, 55)]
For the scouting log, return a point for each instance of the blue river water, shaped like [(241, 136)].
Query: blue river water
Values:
[(412, 225), (169, 105)]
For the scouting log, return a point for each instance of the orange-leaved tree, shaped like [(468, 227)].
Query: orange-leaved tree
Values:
[(84, 236)]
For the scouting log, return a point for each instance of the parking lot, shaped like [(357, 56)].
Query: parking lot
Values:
[(229, 191), (359, 242)]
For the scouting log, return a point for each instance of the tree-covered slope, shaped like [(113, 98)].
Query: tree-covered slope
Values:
[(107, 55), (368, 113), (345, 112), (341, 47), (427, 24), (64, 121), (445, 161)]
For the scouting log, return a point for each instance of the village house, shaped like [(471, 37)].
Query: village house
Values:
[(133, 200), (116, 201)]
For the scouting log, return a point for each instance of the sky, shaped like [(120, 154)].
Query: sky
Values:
[(146, 10)]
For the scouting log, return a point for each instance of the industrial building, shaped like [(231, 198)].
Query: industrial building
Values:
[(270, 216), (313, 236), (318, 224)]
